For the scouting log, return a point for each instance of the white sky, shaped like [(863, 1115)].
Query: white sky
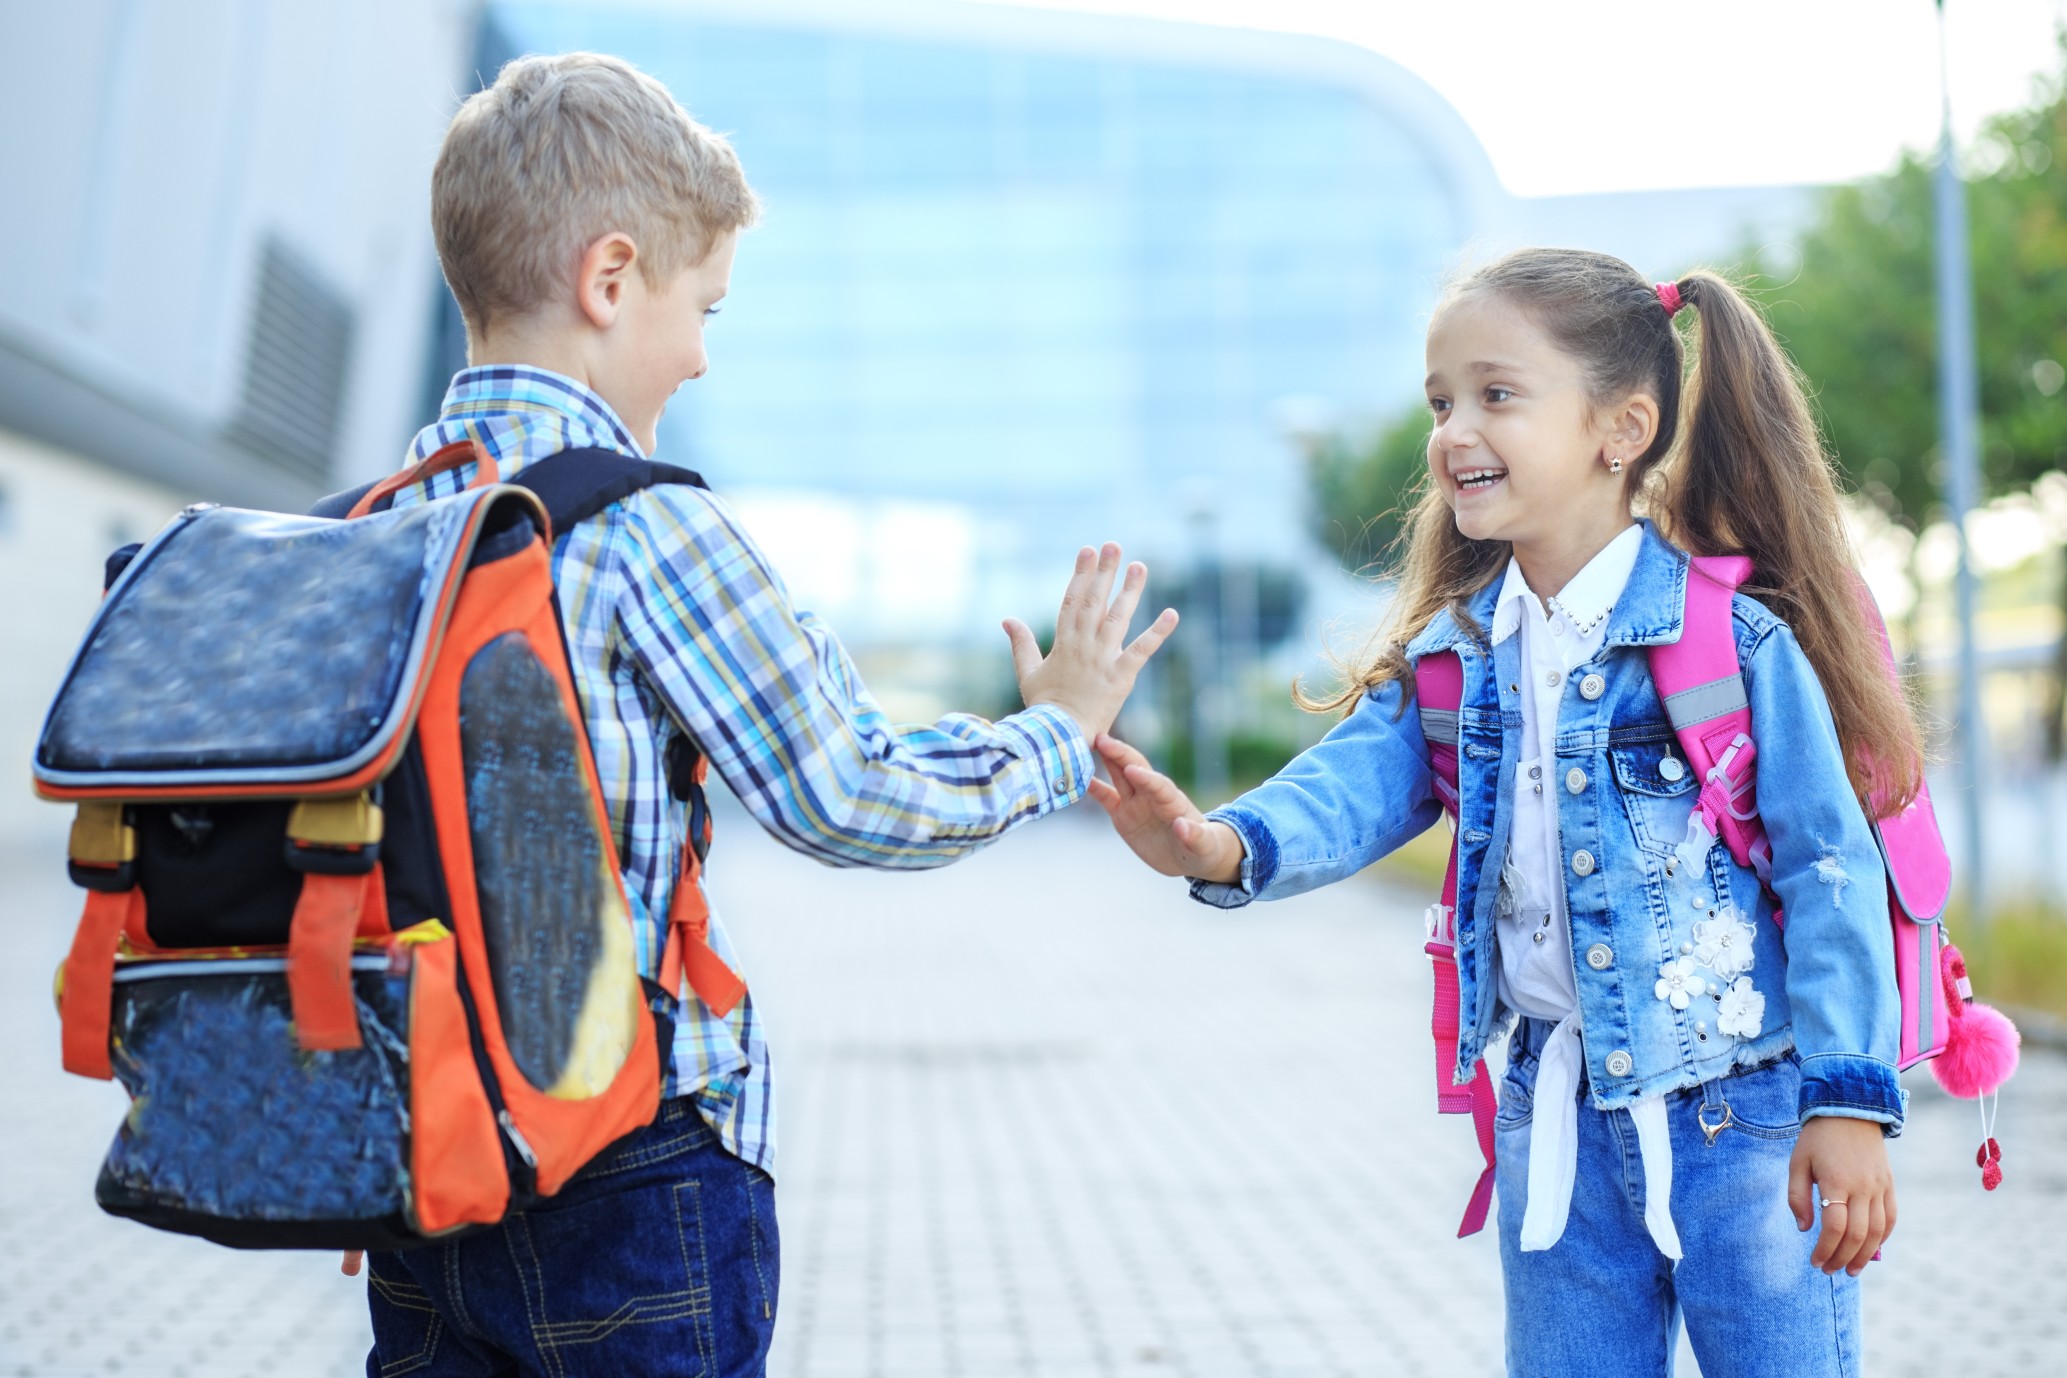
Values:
[(1615, 95)]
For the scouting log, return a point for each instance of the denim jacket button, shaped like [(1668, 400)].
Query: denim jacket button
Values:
[(1592, 687), (1600, 956), (1671, 769), (1619, 1063), (1582, 862), (1575, 780)]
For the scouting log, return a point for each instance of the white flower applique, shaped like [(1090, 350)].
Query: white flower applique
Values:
[(1741, 1010), (1723, 944), (1677, 983)]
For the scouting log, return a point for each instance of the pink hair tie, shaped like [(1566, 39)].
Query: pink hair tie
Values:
[(1668, 296)]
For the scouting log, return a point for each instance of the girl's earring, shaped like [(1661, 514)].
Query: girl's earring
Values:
[(1614, 464)]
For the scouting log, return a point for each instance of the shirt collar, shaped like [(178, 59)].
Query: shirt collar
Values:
[(501, 389), (1587, 598)]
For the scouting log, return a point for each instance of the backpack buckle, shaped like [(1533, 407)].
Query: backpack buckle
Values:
[(335, 837), (102, 852)]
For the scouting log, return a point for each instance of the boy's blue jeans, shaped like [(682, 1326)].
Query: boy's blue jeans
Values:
[(1603, 1302), (659, 1258)]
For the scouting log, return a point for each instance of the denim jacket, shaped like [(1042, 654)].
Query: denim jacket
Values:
[(1826, 978)]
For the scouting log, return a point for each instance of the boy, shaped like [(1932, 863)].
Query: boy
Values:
[(586, 226)]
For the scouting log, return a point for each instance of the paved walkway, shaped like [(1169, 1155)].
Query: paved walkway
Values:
[(1041, 1116)]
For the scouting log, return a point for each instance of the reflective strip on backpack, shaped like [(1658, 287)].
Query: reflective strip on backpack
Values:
[(1706, 702), (1439, 725)]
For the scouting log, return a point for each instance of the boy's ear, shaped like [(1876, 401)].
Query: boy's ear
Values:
[(606, 269)]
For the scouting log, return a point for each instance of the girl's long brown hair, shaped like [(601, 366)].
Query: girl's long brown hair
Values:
[(1737, 468)]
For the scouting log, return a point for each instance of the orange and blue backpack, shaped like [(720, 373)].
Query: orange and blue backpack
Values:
[(355, 936)]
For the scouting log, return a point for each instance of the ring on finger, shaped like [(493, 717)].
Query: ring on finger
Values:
[(1829, 1202)]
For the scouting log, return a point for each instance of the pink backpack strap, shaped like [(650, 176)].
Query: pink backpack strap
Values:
[(1918, 867), (1439, 691), (1702, 687)]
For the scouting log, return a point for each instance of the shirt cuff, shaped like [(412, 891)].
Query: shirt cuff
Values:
[(1259, 860), (1056, 745), (1853, 1086)]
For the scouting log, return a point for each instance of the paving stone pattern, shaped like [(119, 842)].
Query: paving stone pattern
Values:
[(1041, 1115)]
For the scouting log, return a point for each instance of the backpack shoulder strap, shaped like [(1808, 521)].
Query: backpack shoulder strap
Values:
[(1439, 691), (576, 484), (1702, 687), (573, 484)]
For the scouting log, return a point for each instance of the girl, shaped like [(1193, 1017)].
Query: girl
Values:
[(1691, 1089)]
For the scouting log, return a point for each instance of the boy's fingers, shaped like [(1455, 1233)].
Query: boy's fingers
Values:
[(1121, 613), (352, 1259), (1077, 591), (1108, 798), (1151, 641), (1092, 610), (1026, 652)]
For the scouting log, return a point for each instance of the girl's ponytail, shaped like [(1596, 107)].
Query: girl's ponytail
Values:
[(1751, 478)]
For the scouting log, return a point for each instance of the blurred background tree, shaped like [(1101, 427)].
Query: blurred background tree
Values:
[(1853, 301), (1362, 486)]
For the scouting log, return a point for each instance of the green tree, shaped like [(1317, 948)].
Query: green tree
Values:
[(1857, 311), (1361, 486)]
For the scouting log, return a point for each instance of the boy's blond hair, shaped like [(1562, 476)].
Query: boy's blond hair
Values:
[(559, 152)]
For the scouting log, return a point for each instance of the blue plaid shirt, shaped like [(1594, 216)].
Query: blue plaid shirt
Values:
[(677, 624)]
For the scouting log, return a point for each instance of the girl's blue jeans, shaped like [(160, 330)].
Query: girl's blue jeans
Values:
[(658, 1258), (1603, 1302)]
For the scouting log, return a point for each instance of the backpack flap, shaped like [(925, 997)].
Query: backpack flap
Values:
[(1919, 869), (250, 655)]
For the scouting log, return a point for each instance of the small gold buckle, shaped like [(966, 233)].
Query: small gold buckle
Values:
[(352, 821), (101, 836)]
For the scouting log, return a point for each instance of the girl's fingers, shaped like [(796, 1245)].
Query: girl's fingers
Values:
[(1853, 1252), (1168, 801), (1798, 1187), (1836, 1216), (1876, 1230), (1117, 753), (1108, 798)]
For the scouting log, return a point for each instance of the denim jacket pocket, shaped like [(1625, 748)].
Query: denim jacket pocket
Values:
[(1656, 798)]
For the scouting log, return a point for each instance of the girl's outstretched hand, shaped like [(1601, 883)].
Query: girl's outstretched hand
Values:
[(1164, 828), (1845, 1161)]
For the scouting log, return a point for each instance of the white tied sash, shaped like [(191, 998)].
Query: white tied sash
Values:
[(1554, 1148)]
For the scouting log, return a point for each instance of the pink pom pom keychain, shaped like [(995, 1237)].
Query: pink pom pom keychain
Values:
[(1980, 1054)]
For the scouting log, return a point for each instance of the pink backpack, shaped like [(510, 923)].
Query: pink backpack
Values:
[(1702, 687)]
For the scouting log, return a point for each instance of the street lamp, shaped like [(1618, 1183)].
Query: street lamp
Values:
[(1958, 388)]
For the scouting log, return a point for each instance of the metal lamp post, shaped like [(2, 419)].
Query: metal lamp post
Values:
[(1958, 390)]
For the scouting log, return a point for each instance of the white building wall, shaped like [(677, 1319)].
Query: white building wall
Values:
[(59, 518), (148, 150)]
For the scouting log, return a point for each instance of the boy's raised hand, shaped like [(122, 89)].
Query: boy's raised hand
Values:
[(1091, 668), (1159, 822)]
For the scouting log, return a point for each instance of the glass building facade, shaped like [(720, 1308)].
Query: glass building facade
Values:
[(1030, 283)]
